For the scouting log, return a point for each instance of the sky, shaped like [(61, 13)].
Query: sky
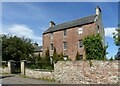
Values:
[(30, 19)]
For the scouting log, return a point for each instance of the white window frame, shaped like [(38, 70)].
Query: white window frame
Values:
[(51, 35), (80, 30)]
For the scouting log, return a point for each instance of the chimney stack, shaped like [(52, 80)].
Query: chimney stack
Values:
[(98, 11), (52, 24)]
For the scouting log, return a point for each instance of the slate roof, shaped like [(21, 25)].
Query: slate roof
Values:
[(38, 48), (77, 22)]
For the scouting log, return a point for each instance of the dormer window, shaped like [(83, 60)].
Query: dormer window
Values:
[(80, 30), (51, 35), (65, 32)]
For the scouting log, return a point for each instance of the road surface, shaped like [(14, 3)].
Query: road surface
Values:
[(16, 79)]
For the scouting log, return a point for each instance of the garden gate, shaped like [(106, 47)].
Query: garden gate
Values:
[(16, 67)]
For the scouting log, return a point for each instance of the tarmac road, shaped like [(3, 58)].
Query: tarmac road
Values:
[(15, 79)]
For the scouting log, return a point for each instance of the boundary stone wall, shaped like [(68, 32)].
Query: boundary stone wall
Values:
[(38, 74), (86, 72), (4, 70)]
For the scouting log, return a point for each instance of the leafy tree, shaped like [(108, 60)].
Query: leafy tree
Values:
[(111, 59), (47, 55), (46, 63), (38, 60), (36, 43), (94, 47), (60, 57), (16, 48), (55, 55), (117, 42), (117, 37)]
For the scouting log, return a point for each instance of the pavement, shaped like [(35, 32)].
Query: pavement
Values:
[(17, 79)]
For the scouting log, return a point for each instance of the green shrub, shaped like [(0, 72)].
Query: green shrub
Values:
[(4, 64), (90, 62), (41, 62), (47, 55), (111, 59), (94, 48), (60, 57), (55, 56)]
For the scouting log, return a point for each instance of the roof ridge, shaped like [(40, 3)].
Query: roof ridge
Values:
[(72, 23), (75, 20)]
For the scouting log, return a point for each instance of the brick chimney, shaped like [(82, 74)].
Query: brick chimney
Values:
[(52, 24), (98, 11)]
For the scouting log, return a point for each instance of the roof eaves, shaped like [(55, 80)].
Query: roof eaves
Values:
[(61, 26), (68, 27)]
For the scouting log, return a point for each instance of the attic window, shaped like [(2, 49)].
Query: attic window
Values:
[(65, 32), (80, 30)]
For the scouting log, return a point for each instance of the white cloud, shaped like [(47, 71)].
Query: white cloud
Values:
[(109, 31), (22, 30)]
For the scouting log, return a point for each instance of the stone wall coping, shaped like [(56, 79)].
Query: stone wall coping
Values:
[(39, 70), (11, 61), (23, 61), (90, 60)]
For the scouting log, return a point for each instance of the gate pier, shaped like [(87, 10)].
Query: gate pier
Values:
[(23, 65), (11, 66)]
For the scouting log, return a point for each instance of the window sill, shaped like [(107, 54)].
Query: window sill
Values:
[(64, 49)]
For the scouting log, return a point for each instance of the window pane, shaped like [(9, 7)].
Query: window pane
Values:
[(65, 45), (81, 57), (80, 44), (51, 46)]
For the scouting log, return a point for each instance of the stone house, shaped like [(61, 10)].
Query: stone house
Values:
[(67, 37), (38, 50)]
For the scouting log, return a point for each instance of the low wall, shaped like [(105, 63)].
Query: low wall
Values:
[(38, 74), (4, 70), (86, 72), (80, 72)]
